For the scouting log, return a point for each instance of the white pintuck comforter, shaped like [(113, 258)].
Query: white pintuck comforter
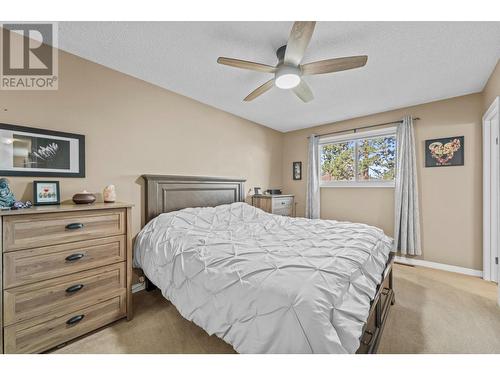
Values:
[(266, 283)]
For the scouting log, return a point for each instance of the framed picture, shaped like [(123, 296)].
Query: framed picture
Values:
[(41, 153), (444, 152), (297, 170), (46, 192)]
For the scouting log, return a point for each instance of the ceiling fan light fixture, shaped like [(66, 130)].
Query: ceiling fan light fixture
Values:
[(287, 77), (289, 69)]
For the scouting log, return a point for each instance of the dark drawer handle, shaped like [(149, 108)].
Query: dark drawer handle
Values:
[(74, 226), (75, 319), (74, 257), (74, 288), (385, 291), (367, 343)]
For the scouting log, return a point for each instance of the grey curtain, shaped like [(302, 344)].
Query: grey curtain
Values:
[(407, 215), (312, 195)]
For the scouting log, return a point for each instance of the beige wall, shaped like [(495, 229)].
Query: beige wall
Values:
[(133, 128), (450, 196), (492, 88)]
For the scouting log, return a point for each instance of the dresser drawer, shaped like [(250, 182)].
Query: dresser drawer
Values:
[(370, 333), (30, 266), (386, 295), (62, 294), (285, 211), (40, 334), (282, 203), (28, 231)]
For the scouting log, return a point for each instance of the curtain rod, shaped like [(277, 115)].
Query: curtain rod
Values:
[(364, 127)]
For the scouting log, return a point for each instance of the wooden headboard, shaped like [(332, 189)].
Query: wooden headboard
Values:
[(171, 193)]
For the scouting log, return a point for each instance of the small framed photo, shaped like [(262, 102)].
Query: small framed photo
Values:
[(297, 170), (46, 192)]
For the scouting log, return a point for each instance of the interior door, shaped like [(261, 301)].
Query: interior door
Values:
[(491, 192), (495, 192)]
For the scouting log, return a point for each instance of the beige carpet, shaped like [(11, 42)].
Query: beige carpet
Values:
[(435, 312)]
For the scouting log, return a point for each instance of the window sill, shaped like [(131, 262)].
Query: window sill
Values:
[(365, 185)]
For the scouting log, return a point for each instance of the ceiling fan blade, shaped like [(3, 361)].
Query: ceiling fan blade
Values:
[(299, 39), (334, 65), (250, 65), (260, 90), (303, 91)]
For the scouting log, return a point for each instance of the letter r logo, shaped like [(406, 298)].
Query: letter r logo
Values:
[(27, 49)]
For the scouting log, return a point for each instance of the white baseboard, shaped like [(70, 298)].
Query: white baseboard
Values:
[(438, 266), (138, 287)]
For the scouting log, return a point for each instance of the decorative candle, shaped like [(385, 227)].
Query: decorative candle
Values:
[(109, 194)]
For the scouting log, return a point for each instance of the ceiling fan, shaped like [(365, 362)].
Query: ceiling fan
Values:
[(288, 72)]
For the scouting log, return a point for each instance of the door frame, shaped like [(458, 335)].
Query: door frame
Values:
[(491, 202)]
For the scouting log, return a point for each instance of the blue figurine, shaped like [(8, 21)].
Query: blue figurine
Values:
[(7, 199)]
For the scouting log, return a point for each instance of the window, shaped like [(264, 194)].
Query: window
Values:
[(360, 159)]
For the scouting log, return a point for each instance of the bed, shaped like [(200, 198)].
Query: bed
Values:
[(264, 283)]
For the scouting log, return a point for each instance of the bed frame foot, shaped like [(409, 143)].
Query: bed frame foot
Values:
[(391, 284), (149, 285)]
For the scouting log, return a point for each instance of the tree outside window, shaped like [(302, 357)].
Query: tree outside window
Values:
[(360, 160)]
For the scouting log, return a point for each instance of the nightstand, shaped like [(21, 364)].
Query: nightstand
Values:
[(283, 204)]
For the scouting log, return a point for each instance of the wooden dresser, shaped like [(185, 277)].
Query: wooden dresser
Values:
[(66, 271), (283, 204)]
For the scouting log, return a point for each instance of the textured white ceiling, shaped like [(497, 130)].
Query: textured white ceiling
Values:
[(409, 63)]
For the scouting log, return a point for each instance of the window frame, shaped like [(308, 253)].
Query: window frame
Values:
[(389, 131)]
